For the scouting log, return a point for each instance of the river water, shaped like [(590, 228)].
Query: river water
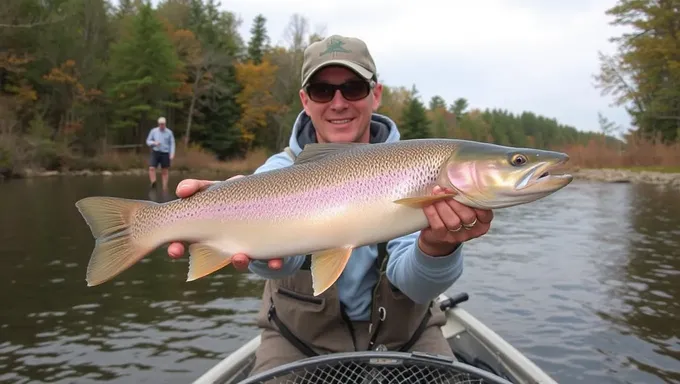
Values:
[(586, 283)]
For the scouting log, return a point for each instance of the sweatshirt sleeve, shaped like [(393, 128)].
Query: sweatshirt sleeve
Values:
[(419, 276), (290, 264)]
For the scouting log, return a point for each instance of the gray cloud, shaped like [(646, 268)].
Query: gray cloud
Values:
[(517, 55)]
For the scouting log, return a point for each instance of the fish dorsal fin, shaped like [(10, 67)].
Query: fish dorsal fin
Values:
[(316, 151)]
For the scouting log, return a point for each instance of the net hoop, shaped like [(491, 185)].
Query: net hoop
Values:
[(376, 368)]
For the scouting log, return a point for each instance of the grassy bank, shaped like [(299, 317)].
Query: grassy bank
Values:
[(637, 156), (26, 157)]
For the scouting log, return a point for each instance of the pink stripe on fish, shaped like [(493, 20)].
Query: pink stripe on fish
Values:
[(362, 190)]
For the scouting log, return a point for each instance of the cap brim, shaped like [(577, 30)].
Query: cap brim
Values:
[(361, 71)]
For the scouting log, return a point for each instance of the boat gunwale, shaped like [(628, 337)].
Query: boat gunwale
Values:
[(459, 321)]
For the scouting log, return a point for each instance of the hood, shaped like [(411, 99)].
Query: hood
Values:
[(383, 129)]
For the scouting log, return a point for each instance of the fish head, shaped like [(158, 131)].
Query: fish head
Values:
[(491, 176)]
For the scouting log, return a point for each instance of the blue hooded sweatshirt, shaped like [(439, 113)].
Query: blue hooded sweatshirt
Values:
[(418, 275)]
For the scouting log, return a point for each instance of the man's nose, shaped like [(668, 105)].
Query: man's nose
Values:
[(339, 101)]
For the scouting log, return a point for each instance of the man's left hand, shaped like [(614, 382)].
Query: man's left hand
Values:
[(451, 223), (172, 157)]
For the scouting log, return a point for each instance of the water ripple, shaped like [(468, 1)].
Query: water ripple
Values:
[(585, 283)]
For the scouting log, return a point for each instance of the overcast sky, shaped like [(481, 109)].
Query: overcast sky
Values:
[(513, 54)]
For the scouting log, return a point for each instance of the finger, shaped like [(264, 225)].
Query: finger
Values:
[(176, 250), (235, 177), (275, 263), (436, 223), (466, 214), (484, 215), (240, 261), (188, 187), (448, 216)]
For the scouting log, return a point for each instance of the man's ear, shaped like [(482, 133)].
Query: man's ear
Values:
[(304, 99), (377, 96)]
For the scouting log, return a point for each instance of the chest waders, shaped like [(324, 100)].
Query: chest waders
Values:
[(385, 295)]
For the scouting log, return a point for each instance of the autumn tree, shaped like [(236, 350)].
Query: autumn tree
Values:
[(256, 100), (644, 75), (443, 121)]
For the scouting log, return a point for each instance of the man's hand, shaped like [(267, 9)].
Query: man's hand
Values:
[(172, 156), (187, 188), (451, 223)]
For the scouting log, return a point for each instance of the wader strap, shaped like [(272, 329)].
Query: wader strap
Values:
[(286, 333), (419, 331)]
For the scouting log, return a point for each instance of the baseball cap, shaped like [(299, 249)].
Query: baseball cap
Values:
[(349, 52)]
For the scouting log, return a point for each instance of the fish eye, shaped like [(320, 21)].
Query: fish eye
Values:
[(518, 160)]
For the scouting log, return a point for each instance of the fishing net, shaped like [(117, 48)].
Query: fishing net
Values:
[(376, 368)]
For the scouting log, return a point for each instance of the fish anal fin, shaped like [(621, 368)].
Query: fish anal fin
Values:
[(327, 266), (204, 260), (422, 201), (316, 151)]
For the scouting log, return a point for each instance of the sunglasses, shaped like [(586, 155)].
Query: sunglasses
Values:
[(352, 90)]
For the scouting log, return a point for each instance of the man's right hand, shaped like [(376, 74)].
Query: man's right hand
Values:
[(187, 188)]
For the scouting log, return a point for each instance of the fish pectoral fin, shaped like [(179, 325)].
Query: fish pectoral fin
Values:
[(327, 265), (422, 201), (315, 151), (204, 260)]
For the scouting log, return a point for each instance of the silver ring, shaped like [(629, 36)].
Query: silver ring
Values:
[(469, 226)]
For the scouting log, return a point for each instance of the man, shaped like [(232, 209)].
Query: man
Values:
[(383, 298), (162, 144)]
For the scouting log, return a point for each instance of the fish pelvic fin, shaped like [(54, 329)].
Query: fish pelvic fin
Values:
[(422, 201), (115, 250), (327, 266), (204, 260)]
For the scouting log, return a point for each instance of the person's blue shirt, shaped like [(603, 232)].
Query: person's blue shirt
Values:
[(164, 137)]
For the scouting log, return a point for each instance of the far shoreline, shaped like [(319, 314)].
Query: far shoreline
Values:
[(605, 175)]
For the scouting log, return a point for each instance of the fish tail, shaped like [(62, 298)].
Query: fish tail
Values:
[(115, 250)]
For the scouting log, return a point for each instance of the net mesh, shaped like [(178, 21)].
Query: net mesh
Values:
[(374, 369)]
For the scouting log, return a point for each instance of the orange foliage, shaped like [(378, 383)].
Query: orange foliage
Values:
[(255, 99)]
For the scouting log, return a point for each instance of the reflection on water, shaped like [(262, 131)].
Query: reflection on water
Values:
[(585, 282)]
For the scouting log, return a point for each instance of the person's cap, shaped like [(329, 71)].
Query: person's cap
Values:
[(349, 52), (161, 120)]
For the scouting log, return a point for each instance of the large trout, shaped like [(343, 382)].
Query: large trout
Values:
[(334, 198)]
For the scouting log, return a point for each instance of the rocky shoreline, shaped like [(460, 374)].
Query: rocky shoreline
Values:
[(600, 175), (626, 176)]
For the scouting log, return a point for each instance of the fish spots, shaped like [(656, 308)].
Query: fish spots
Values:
[(359, 175)]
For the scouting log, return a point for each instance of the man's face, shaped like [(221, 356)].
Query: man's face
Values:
[(161, 126), (340, 120)]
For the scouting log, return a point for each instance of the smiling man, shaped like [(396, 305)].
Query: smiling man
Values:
[(383, 298)]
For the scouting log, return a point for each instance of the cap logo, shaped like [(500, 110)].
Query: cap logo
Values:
[(334, 46)]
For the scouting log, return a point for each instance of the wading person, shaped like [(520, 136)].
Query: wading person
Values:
[(162, 143), (383, 298)]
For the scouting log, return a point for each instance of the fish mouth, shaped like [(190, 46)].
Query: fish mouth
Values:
[(547, 174)]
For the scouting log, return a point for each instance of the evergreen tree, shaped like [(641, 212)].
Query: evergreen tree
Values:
[(259, 41), (143, 68), (414, 121)]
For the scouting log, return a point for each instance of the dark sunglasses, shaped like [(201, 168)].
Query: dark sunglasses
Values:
[(352, 90)]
